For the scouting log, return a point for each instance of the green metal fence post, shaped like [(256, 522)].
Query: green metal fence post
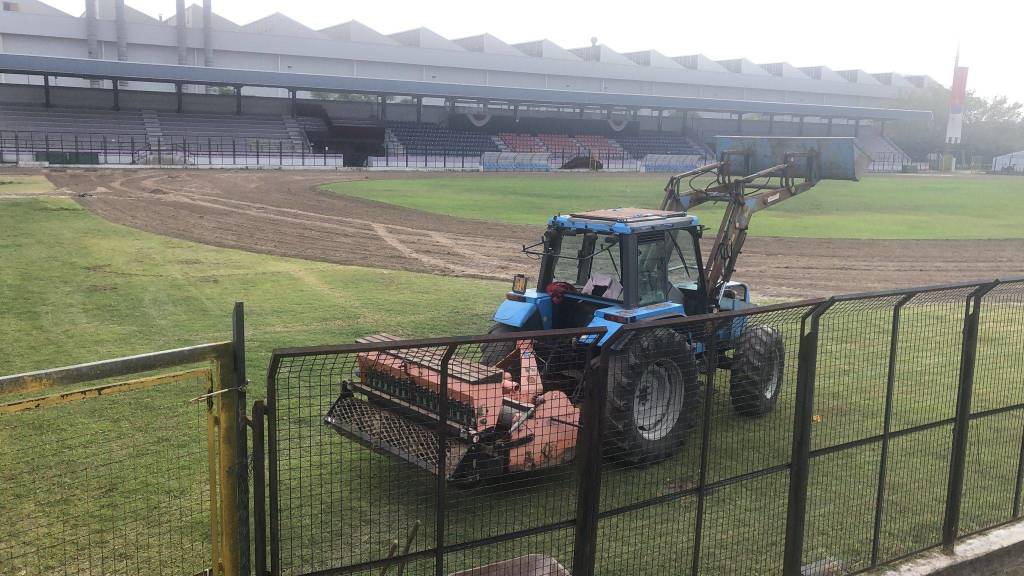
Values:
[(958, 457), (799, 471)]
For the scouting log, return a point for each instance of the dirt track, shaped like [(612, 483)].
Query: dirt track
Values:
[(284, 213)]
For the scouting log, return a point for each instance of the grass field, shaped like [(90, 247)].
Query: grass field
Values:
[(19, 184), (77, 288), (893, 207)]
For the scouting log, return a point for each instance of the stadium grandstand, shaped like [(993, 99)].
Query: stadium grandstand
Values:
[(114, 85)]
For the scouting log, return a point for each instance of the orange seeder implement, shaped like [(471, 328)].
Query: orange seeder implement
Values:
[(496, 424)]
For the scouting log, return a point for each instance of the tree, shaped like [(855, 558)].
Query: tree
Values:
[(992, 126)]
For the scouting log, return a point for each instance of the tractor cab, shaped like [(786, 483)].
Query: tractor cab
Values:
[(613, 267)]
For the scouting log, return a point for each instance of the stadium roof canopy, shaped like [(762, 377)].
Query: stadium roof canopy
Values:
[(170, 73)]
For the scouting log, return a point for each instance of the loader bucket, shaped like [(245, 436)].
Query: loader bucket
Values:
[(838, 158)]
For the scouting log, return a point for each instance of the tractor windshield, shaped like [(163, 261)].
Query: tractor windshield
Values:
[(585, 256)]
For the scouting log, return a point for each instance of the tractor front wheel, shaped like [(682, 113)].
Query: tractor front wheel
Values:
[(757, 370), (653, 396), (493, 352)]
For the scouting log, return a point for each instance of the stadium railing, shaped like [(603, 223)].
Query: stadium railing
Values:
[(135, 149)]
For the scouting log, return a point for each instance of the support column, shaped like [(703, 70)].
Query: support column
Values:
[(122, 35), (515, 112), (659, 118), (800, 132), (684, 117), (739, 122), (581, 112), (208, 33), (856, 128), (383, 102), (881, 130), (292, 96), (117, 95), (771, 124), (178, 96), (829, 129), (179, 21), (46, 92), (238, 100), (92, 36)]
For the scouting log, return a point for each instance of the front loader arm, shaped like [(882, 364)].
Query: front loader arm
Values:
[(743, 197)]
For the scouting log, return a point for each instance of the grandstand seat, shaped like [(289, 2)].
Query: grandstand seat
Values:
[(644, 144), (422, 138)]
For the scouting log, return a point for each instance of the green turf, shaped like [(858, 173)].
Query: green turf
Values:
[(894, 207), (18, 184), (77, 288)]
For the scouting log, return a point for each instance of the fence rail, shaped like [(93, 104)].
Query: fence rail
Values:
[(893, 425), (94, 484)]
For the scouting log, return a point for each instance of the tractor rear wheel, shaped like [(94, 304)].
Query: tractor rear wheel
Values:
[(653, 397), (757, 371)]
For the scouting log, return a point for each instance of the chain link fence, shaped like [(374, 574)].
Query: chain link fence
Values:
[(824, 436)]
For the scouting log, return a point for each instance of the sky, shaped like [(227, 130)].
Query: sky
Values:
[(905, 36)]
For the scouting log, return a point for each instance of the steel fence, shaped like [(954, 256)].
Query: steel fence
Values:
[(398, 156), (138, 149), (823, 436), (143, 472)]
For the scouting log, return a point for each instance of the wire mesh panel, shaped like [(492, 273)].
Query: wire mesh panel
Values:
[(697, 441), (995, 448), (366, 474), (95, 486), (819, 437)]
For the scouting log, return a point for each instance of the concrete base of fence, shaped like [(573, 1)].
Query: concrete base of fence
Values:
[(998, 552)]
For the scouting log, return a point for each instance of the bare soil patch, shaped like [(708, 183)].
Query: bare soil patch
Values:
[(285, 214)]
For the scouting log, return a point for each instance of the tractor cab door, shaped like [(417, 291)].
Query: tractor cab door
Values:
[(669, 270), (685, 272)]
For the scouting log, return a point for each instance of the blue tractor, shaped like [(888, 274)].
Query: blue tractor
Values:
[(517, 409), (621, 266)]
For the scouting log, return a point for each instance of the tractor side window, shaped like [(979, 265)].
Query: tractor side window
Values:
[(590, 262), (568, 259), (682, 262), (652, 266), (605, 263)]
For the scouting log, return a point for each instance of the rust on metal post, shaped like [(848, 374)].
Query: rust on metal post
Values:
[(102, 390), (229, 391), (228, 447), (43, 379), (213, 462)]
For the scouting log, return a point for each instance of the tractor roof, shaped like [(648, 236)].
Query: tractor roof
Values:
[(625, 220)]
